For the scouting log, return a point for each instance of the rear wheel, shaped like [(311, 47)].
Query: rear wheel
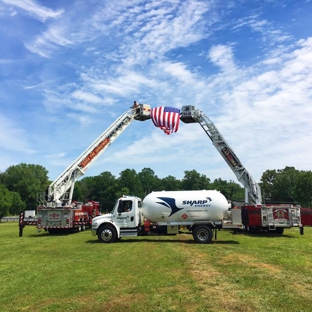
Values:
[(202, 234), (107, 234)]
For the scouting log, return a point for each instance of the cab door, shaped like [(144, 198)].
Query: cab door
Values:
[(126, 214)]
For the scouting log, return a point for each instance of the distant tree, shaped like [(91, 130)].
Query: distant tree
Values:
[(267, 181), (237, 192), (287, 185), (221, 186), (5, 201), (303, 188), (1, 177), (170, 183), (101, 188), (231, 190), (77, 195), (123, 191), (28, 180), (105, 188), (149, 181), (130, 180), (17, 204), (283, 189), (84, 189), (195, 181)]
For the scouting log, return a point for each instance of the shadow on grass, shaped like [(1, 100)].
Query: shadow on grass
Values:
[(45, 234), (271, 235), (177, 241), (263, 234)]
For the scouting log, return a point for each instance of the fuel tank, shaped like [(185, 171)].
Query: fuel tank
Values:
[(185, 206)]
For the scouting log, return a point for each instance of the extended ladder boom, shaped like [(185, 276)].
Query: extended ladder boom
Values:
[(189, 114), (63, 187)]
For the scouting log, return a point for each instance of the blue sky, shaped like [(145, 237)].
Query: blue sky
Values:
[(68, 69)]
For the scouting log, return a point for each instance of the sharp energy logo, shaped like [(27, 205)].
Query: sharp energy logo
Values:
[(169, 203), (198, 203)]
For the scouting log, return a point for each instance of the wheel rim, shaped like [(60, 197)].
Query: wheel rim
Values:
[(203, 234), (106, 235)]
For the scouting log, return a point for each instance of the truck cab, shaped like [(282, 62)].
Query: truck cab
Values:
[(124, 220)]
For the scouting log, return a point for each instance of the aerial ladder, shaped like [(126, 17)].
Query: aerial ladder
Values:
[(189, 114), (60, 192)]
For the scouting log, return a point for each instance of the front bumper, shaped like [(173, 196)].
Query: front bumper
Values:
[(93, 232)]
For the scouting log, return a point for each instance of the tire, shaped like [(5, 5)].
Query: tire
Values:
[(83, 227), (202, 234), (279, 231), (107, 234)]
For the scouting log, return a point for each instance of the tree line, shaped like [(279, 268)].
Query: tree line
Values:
[(21, 184)]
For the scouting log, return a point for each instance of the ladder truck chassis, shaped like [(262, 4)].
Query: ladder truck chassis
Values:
[(56, 211), (256, 216), (76, 217)]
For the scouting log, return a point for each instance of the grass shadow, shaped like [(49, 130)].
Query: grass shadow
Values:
[(177, 241), (45, 234), (263, 234), (271, 235)]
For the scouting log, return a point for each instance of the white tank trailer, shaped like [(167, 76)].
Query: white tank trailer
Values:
[(185, 206), (200, 213)]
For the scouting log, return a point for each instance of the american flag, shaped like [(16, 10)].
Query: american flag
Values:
[(166, 118)]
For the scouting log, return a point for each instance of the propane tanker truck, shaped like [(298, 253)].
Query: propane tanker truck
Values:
[(200, 213)]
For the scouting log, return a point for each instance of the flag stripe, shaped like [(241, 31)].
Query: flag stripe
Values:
[(166, 118)]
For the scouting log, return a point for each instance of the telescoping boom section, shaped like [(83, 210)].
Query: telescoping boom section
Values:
[(61, 190), (189, 114)]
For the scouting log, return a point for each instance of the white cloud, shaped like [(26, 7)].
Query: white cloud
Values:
[(125, 83), (179, 71), (32, 8), (13, 137), (222, 56), (56, 156), (86, 97), (269, 32), (175, 24), (268, 110), (49, 41), (79, 119)]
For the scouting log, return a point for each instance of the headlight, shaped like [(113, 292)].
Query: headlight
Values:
[(94, 224)]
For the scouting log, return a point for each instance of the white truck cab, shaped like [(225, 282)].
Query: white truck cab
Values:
[(123, 221)]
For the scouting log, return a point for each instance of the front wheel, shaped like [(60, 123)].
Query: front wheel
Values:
[(107, 234), (202, 234)]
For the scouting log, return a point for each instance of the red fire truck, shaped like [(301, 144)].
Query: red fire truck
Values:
[(255, 215), (57, 211)]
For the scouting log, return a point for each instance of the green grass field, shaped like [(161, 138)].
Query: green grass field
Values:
[(74, 272)]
